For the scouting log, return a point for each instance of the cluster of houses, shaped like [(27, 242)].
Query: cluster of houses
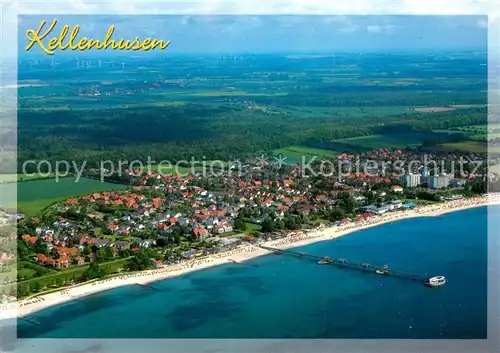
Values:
[(190, 203)]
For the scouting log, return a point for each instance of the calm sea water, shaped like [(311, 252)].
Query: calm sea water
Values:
[(284, 297)]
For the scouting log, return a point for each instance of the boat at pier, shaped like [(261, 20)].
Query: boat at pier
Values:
[(437, 281), (383, 271), (366, 267), (325, 261)]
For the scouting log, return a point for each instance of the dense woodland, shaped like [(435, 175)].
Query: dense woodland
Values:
[(238, 107), (179, 133)]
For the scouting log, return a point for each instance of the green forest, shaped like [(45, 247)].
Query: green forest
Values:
[(172, 110)]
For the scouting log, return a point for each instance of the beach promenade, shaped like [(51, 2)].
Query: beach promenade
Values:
[(244, 252)]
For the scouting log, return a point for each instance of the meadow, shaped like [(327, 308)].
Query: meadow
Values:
[(367, 143), (33, 196), (386, 141), (12, 178), (341, 112), (57, 278), (470, 146), (294, 154), (479, 132)]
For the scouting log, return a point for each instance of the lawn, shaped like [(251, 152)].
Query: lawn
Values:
[(26, 273), (251, 227), (33, 196)]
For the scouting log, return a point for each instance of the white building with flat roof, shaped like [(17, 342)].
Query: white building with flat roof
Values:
[(410, 180), (439, 181)]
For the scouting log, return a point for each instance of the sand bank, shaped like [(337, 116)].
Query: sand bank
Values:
[(242, 253)]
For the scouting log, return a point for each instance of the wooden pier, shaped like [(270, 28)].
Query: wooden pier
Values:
[(365, 267)]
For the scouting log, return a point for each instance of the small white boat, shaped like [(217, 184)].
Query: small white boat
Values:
[(436, 281), (383, 271), (325, 261)]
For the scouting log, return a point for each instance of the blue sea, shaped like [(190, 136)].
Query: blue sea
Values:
[(279, 296)]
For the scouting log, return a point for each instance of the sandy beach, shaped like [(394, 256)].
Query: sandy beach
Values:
[(242, 253)]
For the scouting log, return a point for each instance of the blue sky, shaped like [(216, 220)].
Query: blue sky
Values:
[(276, 33)]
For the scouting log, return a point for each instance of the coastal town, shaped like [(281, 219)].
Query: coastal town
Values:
[(171, 222)]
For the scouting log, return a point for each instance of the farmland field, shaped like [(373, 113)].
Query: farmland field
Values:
[(479, 132), (365, 143), (12, 178), (233, 108), (294, 154), (469, 146), (312, 112), (33, 196), (386, 141)]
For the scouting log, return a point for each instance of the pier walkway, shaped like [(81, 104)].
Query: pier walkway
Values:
[(423, 279)]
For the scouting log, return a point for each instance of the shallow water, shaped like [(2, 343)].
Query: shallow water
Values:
[(286, 297)]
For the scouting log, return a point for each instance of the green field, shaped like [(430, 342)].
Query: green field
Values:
[(12, 178), (471, 146), (342, 112), (368, 143), (33, 196), (386, 141), (478, 132), (294, 154), (74, 272), (252, 227)]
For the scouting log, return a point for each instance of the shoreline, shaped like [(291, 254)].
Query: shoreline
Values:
[(241, 254)]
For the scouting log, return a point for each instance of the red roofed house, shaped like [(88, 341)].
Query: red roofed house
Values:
[(42, 258), (200, 233), (29, 239), (65, 252), (397, 188), (61, 262)]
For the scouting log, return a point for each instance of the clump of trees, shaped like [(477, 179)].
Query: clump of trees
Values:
[(142, 261)]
